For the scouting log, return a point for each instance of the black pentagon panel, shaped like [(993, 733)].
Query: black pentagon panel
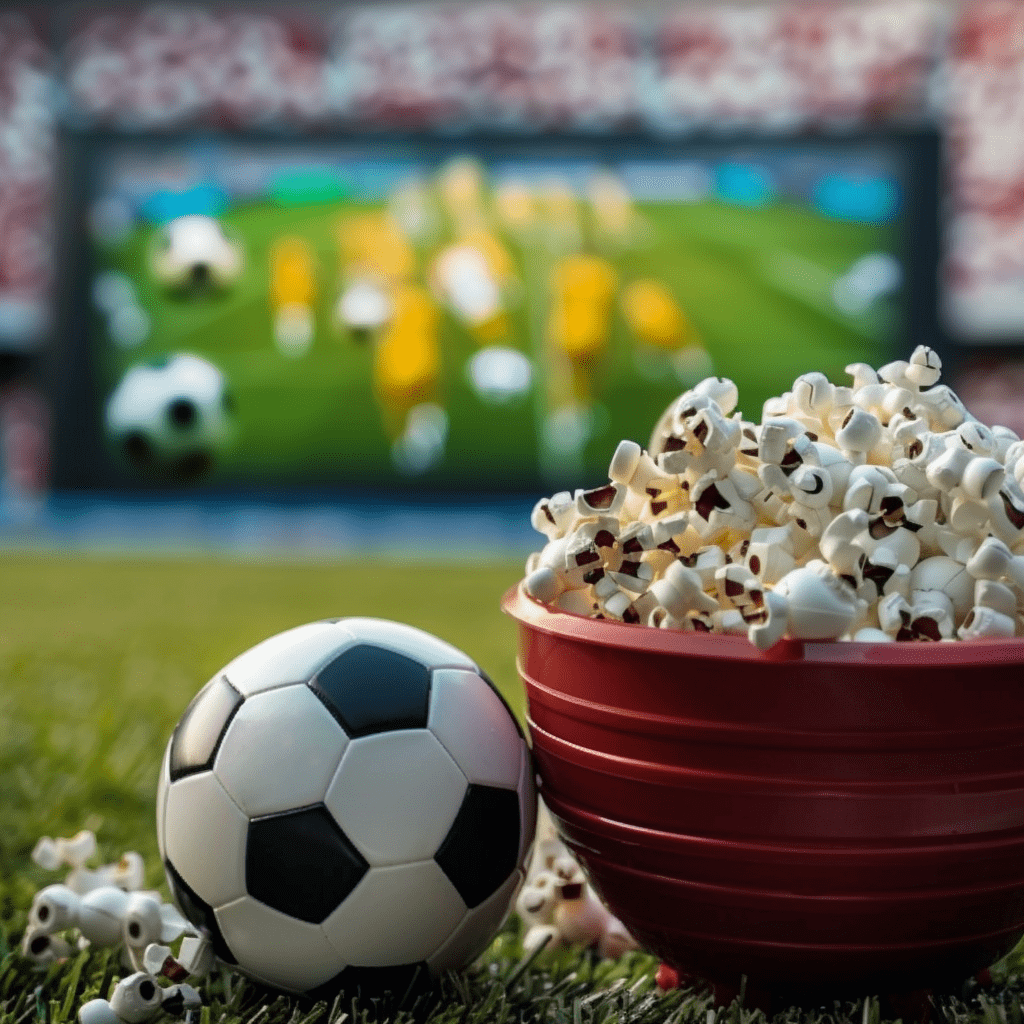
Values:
[(182, 414), (202, 726), (198, 911), (301, 863), (482, 846), (370, 689), (401, 984)]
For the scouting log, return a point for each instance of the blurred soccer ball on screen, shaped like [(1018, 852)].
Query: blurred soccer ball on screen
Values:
[(192, 253), (171, 418)]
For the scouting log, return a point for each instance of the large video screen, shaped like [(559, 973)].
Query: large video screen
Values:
[(466, 315)]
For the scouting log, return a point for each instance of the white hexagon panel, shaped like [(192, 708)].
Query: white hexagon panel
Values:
[(476, 728), (205, 838), (400, 914), (299, 958), (280, 751), (396, 795)]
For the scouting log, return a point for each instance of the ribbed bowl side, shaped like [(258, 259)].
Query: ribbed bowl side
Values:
[(835, 812), (811, 868), (781, 939)]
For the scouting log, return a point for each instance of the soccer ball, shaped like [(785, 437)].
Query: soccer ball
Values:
[(171, 417), (347, 803), (193, 253)]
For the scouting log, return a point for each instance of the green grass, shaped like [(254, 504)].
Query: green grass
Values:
[(755, 282), (98, 658)]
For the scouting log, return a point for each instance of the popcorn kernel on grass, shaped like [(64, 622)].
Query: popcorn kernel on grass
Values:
[(877, 510)]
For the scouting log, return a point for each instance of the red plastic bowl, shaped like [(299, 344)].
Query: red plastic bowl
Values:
[(823, 816)]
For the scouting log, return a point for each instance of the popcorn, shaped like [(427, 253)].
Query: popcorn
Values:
[(722, 391), (681, 590), (996, 596), (556, 903), (543, 584), (944, 575), (838, 541), (942, 407), (729, 620), (576, 602), (590, 545), (878, 511), (768, 621), (737, 586), (1004, 439), (1006, 512), (819, 606), (671, 536), (862, 374), (874, 488), (634, 469), (554, 516), (924, 368), (811, 490), (957, 468), (705, 562), (600, 501), (987, 622), (103, 906), (832, 461), (887, 545), (871, 635), (993, 560), (719, 507), (769, 553), (1012, 456), (632, 576)]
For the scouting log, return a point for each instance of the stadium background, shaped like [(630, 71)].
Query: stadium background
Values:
[(668, 71)]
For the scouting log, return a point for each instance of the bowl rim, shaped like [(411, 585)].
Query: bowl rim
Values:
[(536, 615)]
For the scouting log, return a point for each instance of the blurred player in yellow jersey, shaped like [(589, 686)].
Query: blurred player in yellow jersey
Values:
[(654, 316), (658, 322), (407, 357), (475, 278), (376, 257), (373, 244), (585, 278), (579, 322), (292, 294), (406, 369), (582, 293)]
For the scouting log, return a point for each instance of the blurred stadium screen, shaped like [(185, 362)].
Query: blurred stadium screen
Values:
[(480, 313)]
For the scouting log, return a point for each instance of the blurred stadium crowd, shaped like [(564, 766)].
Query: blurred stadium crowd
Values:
[(549, 66)]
